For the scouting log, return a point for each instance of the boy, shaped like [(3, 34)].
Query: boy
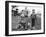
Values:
[(33, 18)]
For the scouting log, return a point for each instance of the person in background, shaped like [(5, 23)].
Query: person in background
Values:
[(33, 18), (16, 12), (24, 17), (24, 13)]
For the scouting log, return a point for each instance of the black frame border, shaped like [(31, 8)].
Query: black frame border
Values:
[(7, 17)]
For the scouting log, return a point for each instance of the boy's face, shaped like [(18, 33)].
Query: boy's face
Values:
[(24, 13), (33, 11)]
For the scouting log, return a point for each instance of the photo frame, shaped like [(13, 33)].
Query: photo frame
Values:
[(25, 10)]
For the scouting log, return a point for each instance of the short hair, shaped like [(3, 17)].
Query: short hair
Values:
[(22, 10), (16, 9), (33, 10)]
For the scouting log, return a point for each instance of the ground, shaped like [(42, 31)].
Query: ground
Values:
[(15, 21)]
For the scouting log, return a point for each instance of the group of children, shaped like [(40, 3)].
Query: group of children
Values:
[(26, 22)]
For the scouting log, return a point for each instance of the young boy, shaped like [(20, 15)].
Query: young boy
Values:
[(33, 18)]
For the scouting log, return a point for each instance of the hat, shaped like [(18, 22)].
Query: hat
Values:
[(33, 10), (16, 9)]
